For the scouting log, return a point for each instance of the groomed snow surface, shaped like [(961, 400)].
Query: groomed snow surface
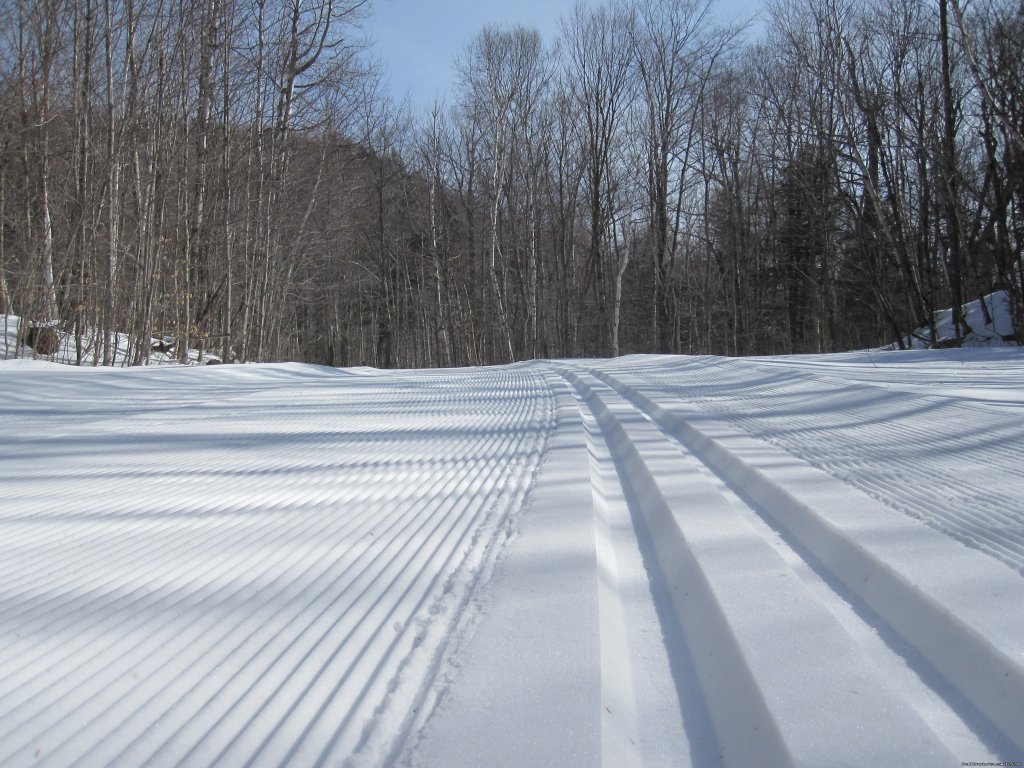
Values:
[(649, 561)]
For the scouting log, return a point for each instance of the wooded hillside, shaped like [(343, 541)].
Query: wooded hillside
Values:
[(650, 181)]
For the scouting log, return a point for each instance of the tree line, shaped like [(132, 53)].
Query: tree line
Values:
[(232, 172)]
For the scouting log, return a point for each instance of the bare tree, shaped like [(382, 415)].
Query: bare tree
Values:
[(675, 49), (40, 38), (599, 62), (503, 75)]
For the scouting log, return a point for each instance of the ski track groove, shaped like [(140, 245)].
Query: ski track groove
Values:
[(202, 613), (251, 535), (780, 740), (620, 730), (854, 447), (999, 672), (245, 590), (427, 516)]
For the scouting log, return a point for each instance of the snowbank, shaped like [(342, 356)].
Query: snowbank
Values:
[(67, 351), (990, 321)]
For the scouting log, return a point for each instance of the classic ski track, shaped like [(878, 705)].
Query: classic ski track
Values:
[(647, 716), (305, 622), (919, 613), (752, 697), (854, 447), (283, 601), (620, 727)]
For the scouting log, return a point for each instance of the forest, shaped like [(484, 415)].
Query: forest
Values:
[(234, 173)]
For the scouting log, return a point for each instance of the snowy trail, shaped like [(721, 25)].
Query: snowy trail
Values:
[(648, 561), (891, 441), (761, 697), (244, 579), (967, 625)]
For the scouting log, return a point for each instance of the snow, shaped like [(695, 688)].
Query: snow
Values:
[(122, 347), (646, 561), (989, 322)]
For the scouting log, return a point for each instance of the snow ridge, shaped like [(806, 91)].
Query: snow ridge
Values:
[(898, 568), (257, 604), (895, 446)]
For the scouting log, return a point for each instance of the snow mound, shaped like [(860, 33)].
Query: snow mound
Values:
[(989, 320), (123, 348)]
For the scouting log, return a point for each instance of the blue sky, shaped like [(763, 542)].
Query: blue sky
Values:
[(418, 40)]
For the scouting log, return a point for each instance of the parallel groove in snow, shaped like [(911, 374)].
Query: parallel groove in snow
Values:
[(225, 622), (864, 442), (770, 707), (620, 729), (648, 713), (968, 626), (208, 654), (243, 531), (242, 536), (282, 565)]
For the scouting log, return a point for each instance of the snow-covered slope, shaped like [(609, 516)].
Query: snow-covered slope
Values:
[(647, 561)]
